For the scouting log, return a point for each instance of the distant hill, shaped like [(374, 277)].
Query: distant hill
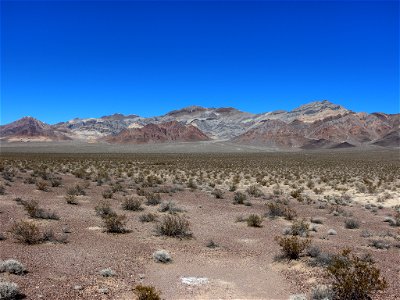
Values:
[(30, 129), (319, 124)]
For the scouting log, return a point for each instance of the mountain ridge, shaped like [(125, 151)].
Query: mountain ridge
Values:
[(318, 124)]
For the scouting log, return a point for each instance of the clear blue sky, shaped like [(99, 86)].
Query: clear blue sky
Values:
[(61, 60)]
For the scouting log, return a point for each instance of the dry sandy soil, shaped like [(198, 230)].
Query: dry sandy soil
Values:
[(244, 265)]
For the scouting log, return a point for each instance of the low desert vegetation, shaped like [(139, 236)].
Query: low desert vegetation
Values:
[(148, 217), (132, 203), (292, 246), (9, 290), (352, 224), (108, 272), (239, 198), (26, 232), (174, 226), (12, 266), (323, 196), (114, 223), (354, 277), (36, 212), (162, 256), (146, 292), (254, 220)]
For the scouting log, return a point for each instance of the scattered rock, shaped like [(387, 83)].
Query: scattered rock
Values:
[(194, 280)]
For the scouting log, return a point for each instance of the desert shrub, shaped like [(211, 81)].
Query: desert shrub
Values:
[(292, 246), (174, 226), (108, 272), (132, 203), (351, 224), (192, 184), (2, 190), (316, 220), (219, 194), (254, 220), (153, 198), (239, 198), (254, 191), (300, 228), (77, 190), (280, 210), (322, 292), (26, 232), (49, 236), (30, 180), (353, 277), (117, 187), (34, 211), (394, 221), (71, 199), (42, 186), (380, 244), (12, 266), (170, 207), (149, 217), (145, 292), (232, 187), (313, 251), (212, 244), (323, 259), (107, 194), (9, 290), (162, 256), (297, 194), (55, 181), (115, 223), (103, 209)]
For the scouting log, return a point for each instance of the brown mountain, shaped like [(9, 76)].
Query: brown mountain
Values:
[(275, 133), (158, 133), (348, 129), (392, 139), (30, 129)]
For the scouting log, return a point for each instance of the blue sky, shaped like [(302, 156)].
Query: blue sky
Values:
[(61, 60)]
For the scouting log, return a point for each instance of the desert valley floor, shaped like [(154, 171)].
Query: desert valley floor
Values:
[(232, 207)]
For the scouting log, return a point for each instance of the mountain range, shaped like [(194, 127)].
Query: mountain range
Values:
[(319, 124)]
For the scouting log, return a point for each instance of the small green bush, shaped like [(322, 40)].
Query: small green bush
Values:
[(239, 198), (174, 226), (132, 203), (144, 292), (219, 194), (34, 211), (254, 220), (351, 224), (149, 217), (292, 246), (115, 223), (103, 209), (353, 277), (153, 198), (26, 232), (254, 191)]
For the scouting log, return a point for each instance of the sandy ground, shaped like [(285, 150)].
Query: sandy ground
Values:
[(243, 267)]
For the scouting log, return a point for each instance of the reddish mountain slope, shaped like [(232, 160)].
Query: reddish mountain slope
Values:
[(351, 128), (158, 133), (29, 128)]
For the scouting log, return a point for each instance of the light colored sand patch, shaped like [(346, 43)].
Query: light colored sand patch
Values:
[(194, 280), (94, 228), (248, 241)]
